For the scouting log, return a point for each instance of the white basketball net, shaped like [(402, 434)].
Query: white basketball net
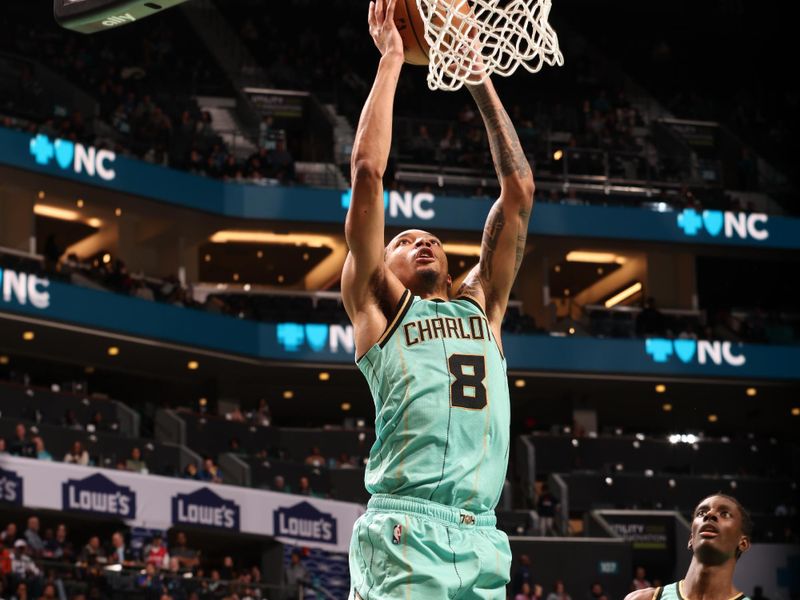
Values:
[(471, 40)]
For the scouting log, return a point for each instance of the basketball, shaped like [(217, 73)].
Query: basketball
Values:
[(411, 25), (412, 29)]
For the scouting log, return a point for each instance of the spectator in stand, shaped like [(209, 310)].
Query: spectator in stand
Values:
[(525, 592), (266, 133), (92, 554), (59, 547), (22, 565), (188, 558), (522, 575), (9, 535), (3, 446), (210, 472), (191, 472), (77, 455), (650, 321), (304, 488), (70, 421), (315, 459), (136, 463), (596, 591), (227, 572), (546, 508), (118, 553), (559, 593), (35, 543), (5, 562), (21, 592), (150, 581), (21, 445), (49, 592), (96, 422), (262, 415), (280, 163), (640, 581), (156, 553), (295, 576), (345, 462), (279, 485), (423, 148), (41, 451)]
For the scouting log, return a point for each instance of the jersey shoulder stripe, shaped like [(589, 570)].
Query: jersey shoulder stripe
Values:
[(406, 300)]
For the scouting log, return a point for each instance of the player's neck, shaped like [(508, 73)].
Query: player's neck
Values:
[(709, 582), (432, 294)]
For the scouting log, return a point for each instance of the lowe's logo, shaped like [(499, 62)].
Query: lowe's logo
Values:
[(10, 488), (406, 205), (24, 289), (318, 337), (304, 522), (730, 224), (98, 495), (687, 350), (206, 508), (75, 157)]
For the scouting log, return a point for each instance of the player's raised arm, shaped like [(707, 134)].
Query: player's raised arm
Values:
[(506, 227), (364, 268)]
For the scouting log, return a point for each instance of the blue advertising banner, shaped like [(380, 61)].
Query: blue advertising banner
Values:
[(98, 495), (333, 343), (205, 508), (103, 168)]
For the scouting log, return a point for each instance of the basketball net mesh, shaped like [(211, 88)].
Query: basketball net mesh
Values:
[(469, 41)]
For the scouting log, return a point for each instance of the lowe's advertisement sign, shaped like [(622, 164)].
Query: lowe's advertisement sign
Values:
[(156, 502), (205, 508)]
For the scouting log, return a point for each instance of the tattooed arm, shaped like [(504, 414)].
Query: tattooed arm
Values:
[(506, 229)]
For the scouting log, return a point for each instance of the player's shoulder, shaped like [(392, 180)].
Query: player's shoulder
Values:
[(650, 593)]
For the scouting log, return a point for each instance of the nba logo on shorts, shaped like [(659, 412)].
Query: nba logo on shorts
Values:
[(398, 531)]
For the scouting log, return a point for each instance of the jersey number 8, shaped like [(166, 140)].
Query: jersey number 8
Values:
[(468, 391)]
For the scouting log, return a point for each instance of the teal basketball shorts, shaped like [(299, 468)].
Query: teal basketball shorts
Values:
[(412, 549)]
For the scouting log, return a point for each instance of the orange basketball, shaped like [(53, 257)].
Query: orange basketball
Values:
[(411, 26), (412, 30)]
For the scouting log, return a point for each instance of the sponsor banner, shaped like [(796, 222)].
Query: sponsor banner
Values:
[(304, 523), (98, 495), (156, 502), (333, 343), (205, 509), (10, 488), (102, 168)]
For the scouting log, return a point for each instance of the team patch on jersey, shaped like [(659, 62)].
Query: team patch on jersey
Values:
[(397, 534), (472, 328)]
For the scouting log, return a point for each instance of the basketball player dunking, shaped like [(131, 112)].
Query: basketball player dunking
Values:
[(433, 360), (721, 530)]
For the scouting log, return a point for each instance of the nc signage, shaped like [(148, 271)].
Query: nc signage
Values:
[(24, 288), (405, 205), (730, 225), (70, 156), (687, 351)]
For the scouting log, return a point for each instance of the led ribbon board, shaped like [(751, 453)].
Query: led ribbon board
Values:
[(91, 16)]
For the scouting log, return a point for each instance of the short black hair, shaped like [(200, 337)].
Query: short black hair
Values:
[(747, 520)]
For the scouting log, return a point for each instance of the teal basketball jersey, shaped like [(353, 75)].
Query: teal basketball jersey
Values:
[(673, 591), (442, 420)]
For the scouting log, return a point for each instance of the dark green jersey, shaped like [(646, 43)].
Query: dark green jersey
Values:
[(442, 421), (673, 591)]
